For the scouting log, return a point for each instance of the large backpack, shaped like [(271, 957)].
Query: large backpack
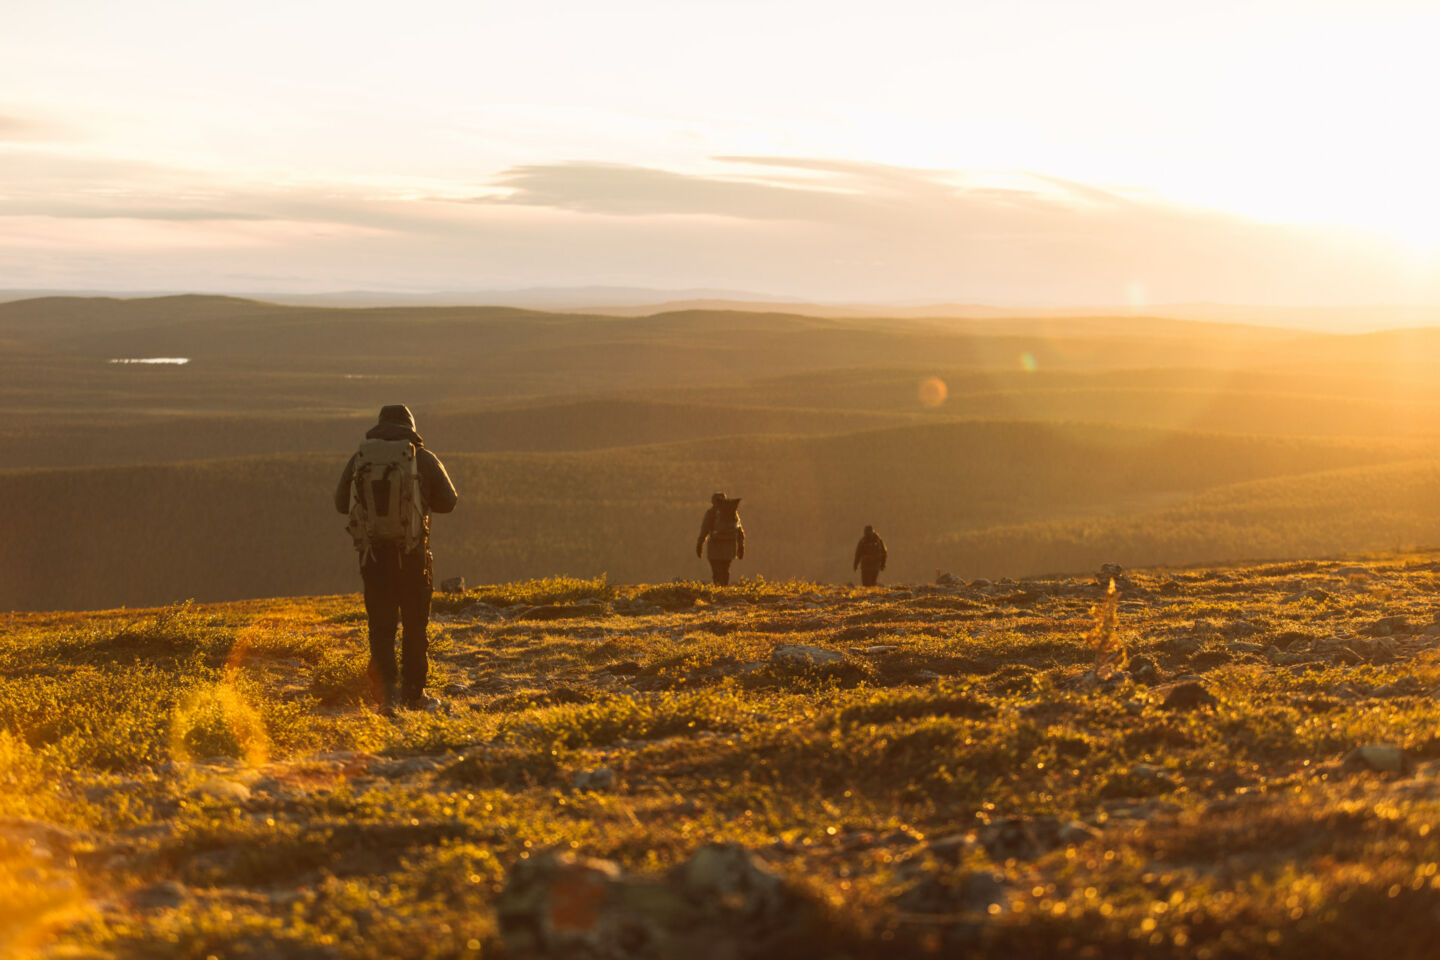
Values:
[(727, 520), (387, 506)]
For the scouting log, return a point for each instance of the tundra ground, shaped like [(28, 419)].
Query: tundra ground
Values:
[(932, 769)]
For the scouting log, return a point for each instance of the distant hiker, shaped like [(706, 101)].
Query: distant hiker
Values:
[(397, 484), (727, 537), (870, 556)]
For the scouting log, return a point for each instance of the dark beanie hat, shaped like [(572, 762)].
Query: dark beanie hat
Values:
[(397, 413)]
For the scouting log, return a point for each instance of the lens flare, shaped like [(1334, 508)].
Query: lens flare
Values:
[(216, 720), (36, 898), (933, 392)]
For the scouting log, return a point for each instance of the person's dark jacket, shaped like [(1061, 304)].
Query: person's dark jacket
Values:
[(437, 493), (870, 551)]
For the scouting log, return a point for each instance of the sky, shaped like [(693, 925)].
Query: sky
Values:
[(1025, 152)]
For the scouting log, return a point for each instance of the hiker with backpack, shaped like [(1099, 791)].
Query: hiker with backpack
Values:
[(726, 535), (397, 484), (870, 556)]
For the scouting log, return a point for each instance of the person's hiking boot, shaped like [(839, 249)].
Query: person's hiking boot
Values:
[(425, 703), (386, 707)]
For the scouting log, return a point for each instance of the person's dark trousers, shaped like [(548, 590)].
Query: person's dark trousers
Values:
[(869, 573), (720, 572), (397, 593)]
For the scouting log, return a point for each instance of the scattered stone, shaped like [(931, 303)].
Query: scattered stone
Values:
[(1144, 670), (105, 790), (725, 873), (1286, 638), (935, 894), (800, 653), (558, 611), (220, 789), (1150, 773), (489, 613), (1232, 780), (1206, 659), (980, 585), (1186, 697), (1184, 645), (410, 766), (558, 903), (1372, 649), (1142, 812), (1377, 757), (1112, 572), (453, 585), (166, 895), (41, 840), (1386, 626), (348, 762), (601, 780), (1406, 686), (950, 849), (1075, 832), (1018, 838), (721, 903)]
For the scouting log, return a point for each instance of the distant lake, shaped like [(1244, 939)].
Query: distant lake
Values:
[(177, 361)]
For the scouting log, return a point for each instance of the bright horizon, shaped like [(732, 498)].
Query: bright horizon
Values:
[(1038, 153)]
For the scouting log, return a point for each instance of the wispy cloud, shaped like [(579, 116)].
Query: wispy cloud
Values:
[(20, 129), (821, 228), (844, 192), (80, 186)]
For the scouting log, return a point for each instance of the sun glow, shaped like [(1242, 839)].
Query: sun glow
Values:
[(1151, 121)]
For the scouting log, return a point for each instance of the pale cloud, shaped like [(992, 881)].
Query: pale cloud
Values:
[(82, 186), (24, 129), (817, 228), (625, 190), (844, 193), (898, 200)]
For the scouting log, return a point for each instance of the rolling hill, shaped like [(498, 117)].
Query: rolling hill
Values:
[(259, 526), (587, 444)]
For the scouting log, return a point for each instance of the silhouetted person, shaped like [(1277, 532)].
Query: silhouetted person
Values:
[(397, 483), (870, 556), (726, 534)]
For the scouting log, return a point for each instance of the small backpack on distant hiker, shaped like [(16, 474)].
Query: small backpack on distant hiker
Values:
[(387, 506), (727, 520)]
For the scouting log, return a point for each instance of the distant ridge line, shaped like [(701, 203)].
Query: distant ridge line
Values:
[(644, 302)]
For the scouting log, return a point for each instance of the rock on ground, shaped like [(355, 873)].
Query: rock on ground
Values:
[(797, 652), (721, 904)]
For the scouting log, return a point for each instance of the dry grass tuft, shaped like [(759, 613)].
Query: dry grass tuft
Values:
[(1104, 637)]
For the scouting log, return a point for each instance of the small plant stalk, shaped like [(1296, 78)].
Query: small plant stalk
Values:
[(1104, 637)]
